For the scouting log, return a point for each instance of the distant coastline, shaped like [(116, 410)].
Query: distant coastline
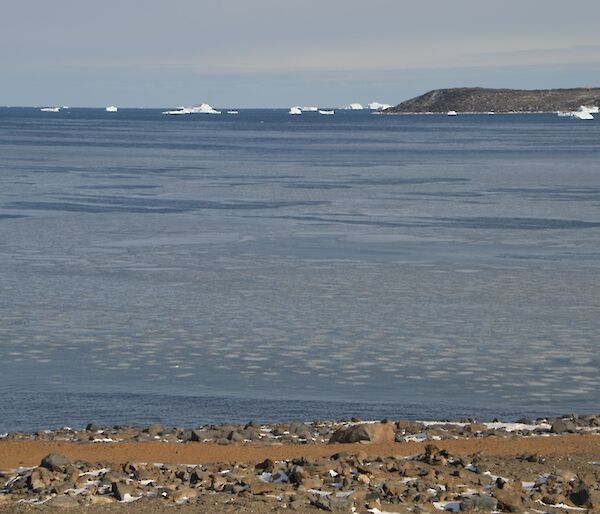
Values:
[(475, 100)]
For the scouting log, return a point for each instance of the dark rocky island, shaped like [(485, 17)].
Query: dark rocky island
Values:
[(477, 99)]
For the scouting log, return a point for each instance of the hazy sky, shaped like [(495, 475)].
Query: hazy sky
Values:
[(254, 53)]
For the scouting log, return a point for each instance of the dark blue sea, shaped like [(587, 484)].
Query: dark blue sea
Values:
[(205, 268)]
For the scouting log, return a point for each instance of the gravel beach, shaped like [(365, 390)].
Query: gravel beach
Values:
[(353, 466)]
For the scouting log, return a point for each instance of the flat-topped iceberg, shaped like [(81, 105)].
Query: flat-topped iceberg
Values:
[(376, 106), (296, 110), (197, 109)]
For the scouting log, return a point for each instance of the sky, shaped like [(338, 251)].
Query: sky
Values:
[(278, 53)]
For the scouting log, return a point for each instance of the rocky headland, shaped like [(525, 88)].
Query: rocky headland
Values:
[(481, 100), (541, 466)]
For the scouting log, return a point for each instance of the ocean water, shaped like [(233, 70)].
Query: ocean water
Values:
[(208, 268)]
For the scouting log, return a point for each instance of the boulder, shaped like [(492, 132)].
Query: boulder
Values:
[(63, 502), (410, 427), (477, 503), (586, 497), (100, 500), (39, 479), (333, 504), (563, 426), (154, 430), (121, 491), (301, 430), (509, 499), (367, 432), (55, 462), (235, 436), (473, 428), (434, 456), (266, 465)]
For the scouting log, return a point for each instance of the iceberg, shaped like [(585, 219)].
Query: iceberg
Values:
[(197, 109), (50, 109), (295, 110), (111, 108), (583, 113), (309, 109), (352, 107), (376, 106)]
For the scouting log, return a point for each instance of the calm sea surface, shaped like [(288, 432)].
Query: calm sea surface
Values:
[(261, 266)]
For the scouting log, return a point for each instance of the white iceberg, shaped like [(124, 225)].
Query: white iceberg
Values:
[(197, 109), (352, 107), (376, 106), (50, 109), (327, 112), (295, 110), (309, 109), (583, 113), (111, 108)]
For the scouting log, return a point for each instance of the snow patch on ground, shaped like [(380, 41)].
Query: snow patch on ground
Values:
[(453, 506)]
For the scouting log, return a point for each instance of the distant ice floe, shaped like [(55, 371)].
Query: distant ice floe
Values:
[(111, 108), (309, 109), (197, 109), (50, 109), (352, 107), (376, 106), (296, 110), (583, 113)]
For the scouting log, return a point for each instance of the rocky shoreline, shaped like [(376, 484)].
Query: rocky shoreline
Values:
[(483, 100), (546, 465)]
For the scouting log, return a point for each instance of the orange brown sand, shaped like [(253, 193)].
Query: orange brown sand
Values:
[(15, 454)]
